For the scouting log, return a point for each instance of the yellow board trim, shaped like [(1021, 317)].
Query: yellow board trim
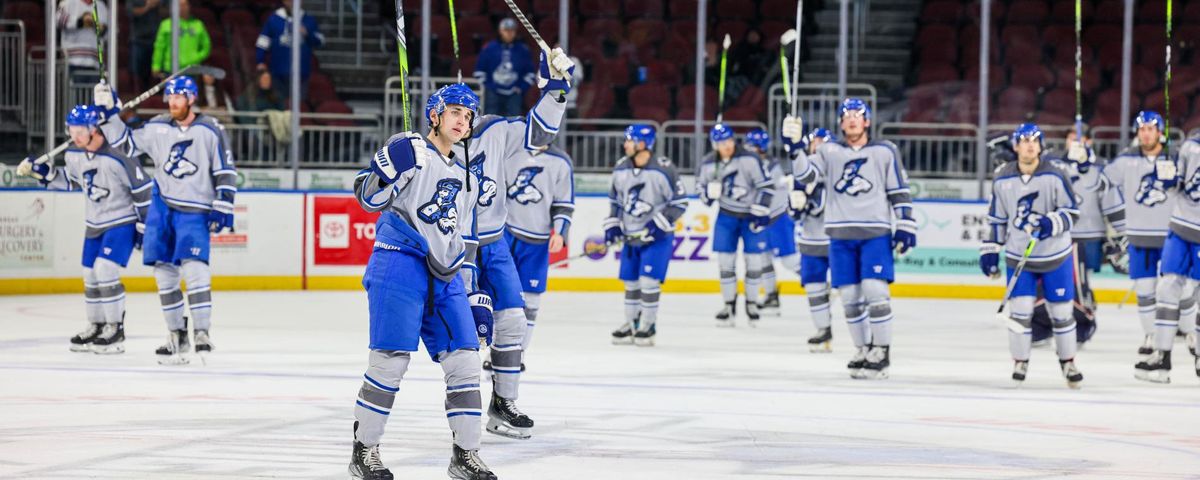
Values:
[(35, 286)]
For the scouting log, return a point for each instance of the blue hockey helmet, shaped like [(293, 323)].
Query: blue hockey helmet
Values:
[(453, 94), (854, 105), (181, 85), (83, 116), (1027, 130), (816, 133), (1148, 117), (641, 132), (759, 138), (720, 133)]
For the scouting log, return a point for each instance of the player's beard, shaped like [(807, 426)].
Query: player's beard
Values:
[(180, 114)]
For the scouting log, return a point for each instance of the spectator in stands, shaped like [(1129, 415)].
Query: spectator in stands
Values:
[(275, 41), (194, 44), (78, 38), (145, 15), (749, 59), (506, 68), (259, 96)]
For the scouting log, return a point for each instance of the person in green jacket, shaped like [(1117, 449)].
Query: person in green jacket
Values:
[(194, 44)]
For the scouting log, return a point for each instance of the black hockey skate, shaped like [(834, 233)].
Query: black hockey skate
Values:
[(1020, 369), (858, 361), (203, 343), (877, 362), (506, 420), (365, 463), (645, 338), (111, 339), (1071, 373), (752, 314), (487, 364), (1147, 346), (466, 465), (726, 314), (822, 341), (171, 353), (623, 335), (1156, 368), (82, 341), (770, 305)]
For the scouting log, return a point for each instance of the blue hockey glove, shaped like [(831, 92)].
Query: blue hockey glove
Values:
[(555, 71), (1045, 227), (481, 310), (792, 135), (905, 238), (989, 259), (1167, 173), (612, 232), (398, 156), (105, 97), (43, 172)]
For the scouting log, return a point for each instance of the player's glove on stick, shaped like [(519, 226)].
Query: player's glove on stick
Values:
[(554, 72), (905, 238), (42, 172), (399, 156), (106, 98), (612, 231), (481, 310), (989, 259), (793, 135), (1166, 172)]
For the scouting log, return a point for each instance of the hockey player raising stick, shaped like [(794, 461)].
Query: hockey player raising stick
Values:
[(194, 186), (781, 232), (866, 185), (646, 199), (808, 206), (116, 195), (740, 183), (1031, 214)]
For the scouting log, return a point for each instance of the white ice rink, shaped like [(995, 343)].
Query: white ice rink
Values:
[(275, 398)]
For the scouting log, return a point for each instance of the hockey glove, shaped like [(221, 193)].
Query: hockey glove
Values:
[(1115, 253), (658, 228), (793, 135), (481, 310), (1166, 172), (106, 99), (554, 72), (759, 223), (905, 238), (989, 259), (612, 231), (43, 172), (139, 234), (1045, 227), (400, 155), (798, 199)]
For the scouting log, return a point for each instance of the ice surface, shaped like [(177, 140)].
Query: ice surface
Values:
[(276, 397)]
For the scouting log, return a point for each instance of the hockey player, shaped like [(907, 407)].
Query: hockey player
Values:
[(781, 232), (1148, 209), (808, 205), (414, 291), (865, 185), (740, 183), (1033, 203), (495, 271), (541, 199), (1180, 267), (194, 186), (646, 198), (116, 195)]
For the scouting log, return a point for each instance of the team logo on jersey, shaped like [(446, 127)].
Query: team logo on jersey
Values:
[(522, 189), (1026, 218), (1151, 191), (441, 210), (94, 192), (816, 201), (730, 188), (1192, 187), (177, 165), (634, 205), (851, 182), (487, 186)]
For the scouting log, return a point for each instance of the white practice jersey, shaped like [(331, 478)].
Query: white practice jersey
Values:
[(1098, 200), (116, 190), (1148, 204), (540, 194), (494, 141), (77, 40), (428, 208), (1019, 202), (745, 179), (193, 164), (638, 196), (1185, 219), (863, 187)]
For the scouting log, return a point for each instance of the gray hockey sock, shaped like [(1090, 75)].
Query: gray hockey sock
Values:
[(768, 274), (110, 289), (166, 277), (1061, 314), (533, 301), (651, 290), (818, 304), (727, 263), (199, 285), (633, 301), (506, 351), (378, 392), (464, 406), (91, 297)]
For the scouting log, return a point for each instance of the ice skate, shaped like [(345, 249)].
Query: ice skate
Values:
[(645, 338), (858, 361), (770, 305), (203, 344), (111, 339), (752, 314), (1156, 368), (1147, 346), (620, 336), (506, 420), (82, 341), (822, 341), (1020, 369), (1190, 339), (171, 353), (466, 465), (877, 362), (365, 463), (726, 314), (1071, 373)]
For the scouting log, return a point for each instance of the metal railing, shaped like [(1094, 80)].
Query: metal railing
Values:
[(35, 95), (595, 145), (934, 150), (677, 137), (818, 106), (12, 70), (392, 114)]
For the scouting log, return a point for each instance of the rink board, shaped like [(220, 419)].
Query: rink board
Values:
[(287, 240)]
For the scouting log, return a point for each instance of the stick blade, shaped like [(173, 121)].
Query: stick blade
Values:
[(788, 37)]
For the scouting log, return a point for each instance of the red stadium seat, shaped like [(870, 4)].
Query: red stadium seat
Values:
[(1027, 11), (676, 48), (320, 89), (941, 11), (1059, 36), (735, 28), (463, 8), (939, 53), (647, 112), (1144, 79), (1033, 77), (743, 114), (751, 97), (685, 29), (1101, 34), (996, 78), (664, 72), (1154, 11), (1191, 13), (1006, 114), (599, 8), (614, 72), (1109, 55), (1149, 34), (650, 94), (1109, 102), (1091, 78), (1017, 98), (685, 96), (644, 9), (1155, 101), (334, 106), (778, 10), (1064, 12), (1109, 11), (1059, 100), (735, 9), (604, 28), (937, 35), (238, 16), (643, 33), (972, 11), (683, 9), (499, 8), (771, 31), (938, 73), (1064, 55), (1020, 53)]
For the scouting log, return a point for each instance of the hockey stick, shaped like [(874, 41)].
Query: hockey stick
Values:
[(599, 248), (721, 85), (1167, 89), (1078, 72), (528, 26), (454, 38), (796, 58), (787, 37), (1012, 283), (402, 55), (99, 43), (1128, 293)]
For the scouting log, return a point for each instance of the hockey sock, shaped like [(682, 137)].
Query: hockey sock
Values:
[(91, 297), (378, 392), (110, 289), (879, 310), (506, 351), (856, 315), (199, 287), (1168, 309), (1188, 307), (651, 290), (754, 268), (464, 406), (1144, 288), (728, 266), (1020, 327), (768, 274), (818, 303), (1062, 314), (533, 301), (791, 263), (166, 276), (633, 301)]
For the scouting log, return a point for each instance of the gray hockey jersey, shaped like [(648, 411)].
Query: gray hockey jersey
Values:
[(1019, 202), (782, 183), (864, 186), (1098, 200), (193, 165), (540, 194), (813, 240), (497, 140), (428, 208), (115, 188), (746, 185), (1148, 204), (1185, 219), (638, 196)]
